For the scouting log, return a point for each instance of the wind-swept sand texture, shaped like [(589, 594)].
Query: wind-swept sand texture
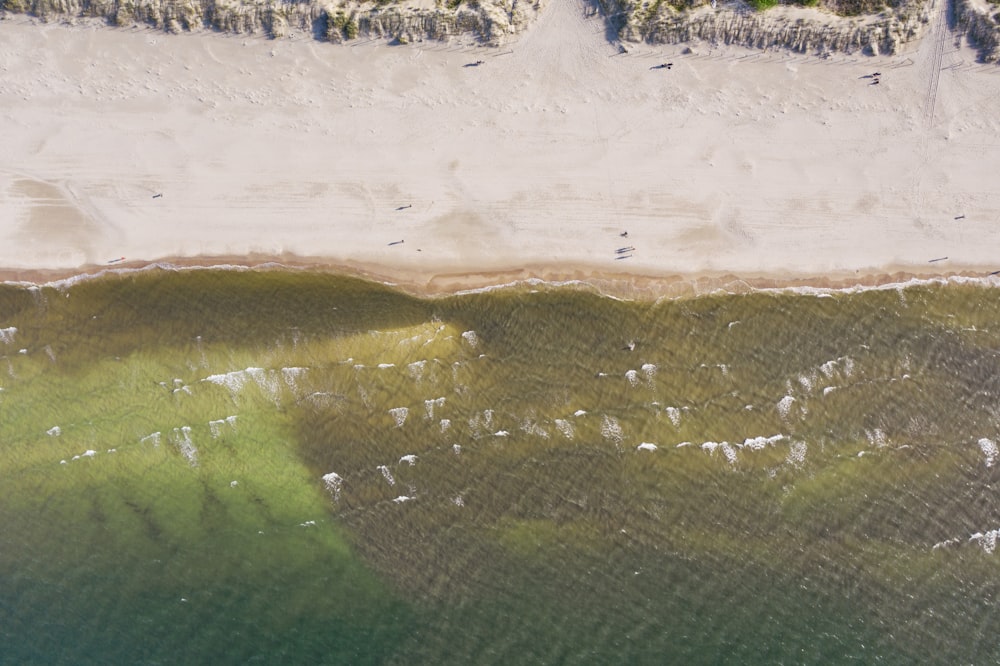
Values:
[(730, 162)]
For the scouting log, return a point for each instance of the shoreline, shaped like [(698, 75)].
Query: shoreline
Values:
[(624, 285)]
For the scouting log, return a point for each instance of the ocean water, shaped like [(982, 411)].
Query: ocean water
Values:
[(274, 467)]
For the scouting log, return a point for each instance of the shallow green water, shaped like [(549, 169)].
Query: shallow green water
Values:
[(282, 467)]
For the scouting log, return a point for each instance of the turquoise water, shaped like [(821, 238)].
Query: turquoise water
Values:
[(285, 467)]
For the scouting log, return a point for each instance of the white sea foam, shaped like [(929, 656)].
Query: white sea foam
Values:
[(946, 543), (333, 483), (416, 369), (471, 338), (580, 412), (402, 498), (565, 427), (399, 415), (387, 474), (844, 365), (458, 501), (152, 438), (181, 438), (216, 426), (829, 389), (633, 377), (54, 431), (481, 421), (785, 406), (649, 369), (683, 444), (987, 540), (611, 430), (445, 424), (233, 484), (982, 282), (989, 449), (89, 453), (384, 366), (409, 459), (796, 453), (727, 449), (429, 406), (267, 381), (292, 377), (531, 427), (233, 381), (876, 438), (501, 433), (530, 282), (758, 443), (806, 382), (7, 334), (457, 448), (646, 446), (674, 415)]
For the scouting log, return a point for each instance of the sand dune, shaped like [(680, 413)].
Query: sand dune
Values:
[(730, 162)]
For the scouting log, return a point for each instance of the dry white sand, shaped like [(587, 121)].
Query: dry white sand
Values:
[(732, 161)]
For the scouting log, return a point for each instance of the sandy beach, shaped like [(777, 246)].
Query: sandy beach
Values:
[(406, 163)]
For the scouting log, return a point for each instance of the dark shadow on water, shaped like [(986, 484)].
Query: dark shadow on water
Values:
[(118, 314)]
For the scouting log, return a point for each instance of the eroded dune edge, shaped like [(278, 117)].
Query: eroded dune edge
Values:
[(806, 26)]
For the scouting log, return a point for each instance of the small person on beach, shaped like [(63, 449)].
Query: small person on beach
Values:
[(624, 234)]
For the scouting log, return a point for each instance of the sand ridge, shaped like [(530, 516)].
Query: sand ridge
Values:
[(730, 162)]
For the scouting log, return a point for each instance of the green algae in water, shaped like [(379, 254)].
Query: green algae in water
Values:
[(289, 467)]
